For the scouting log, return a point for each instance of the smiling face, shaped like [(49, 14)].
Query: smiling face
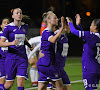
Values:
[(4, 23), (17, 14), (53, 20), (93, 27)]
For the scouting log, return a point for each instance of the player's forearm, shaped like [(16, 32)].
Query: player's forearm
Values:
[(5, 44), (27, 43), (80, 27), (73, 30), (53, 39)]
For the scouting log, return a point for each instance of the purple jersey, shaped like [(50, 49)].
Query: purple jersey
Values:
[(16, 61), (61, 50), (47, 48), (91, 50), (80, 27), (3, 53), (3, 50), (12, 32)]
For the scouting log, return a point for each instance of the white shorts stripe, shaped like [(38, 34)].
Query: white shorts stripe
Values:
[(50, 37), (22, 76)]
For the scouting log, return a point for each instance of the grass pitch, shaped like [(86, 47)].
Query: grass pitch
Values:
[(73, 67)]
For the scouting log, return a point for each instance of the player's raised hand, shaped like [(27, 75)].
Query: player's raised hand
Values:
[(78, 19), (68, 20), (66, 28), (62, 22)]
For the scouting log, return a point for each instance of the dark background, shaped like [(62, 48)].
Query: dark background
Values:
[(35, 8)]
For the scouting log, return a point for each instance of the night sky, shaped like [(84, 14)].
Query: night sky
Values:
[(35, 8)]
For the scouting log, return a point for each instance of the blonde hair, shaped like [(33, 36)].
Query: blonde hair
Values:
[(46, 16)]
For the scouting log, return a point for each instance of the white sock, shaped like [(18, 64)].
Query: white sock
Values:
[(33, 74), (36, 75)]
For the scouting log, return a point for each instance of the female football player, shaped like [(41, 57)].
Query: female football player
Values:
[(16, 62), (46, 64), (3, 52), (91, 53)]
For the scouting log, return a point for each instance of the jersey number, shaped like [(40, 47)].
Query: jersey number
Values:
[(20, 38), (65, 49)]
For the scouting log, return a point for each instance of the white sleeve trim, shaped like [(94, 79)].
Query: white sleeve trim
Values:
[(79, 33), (22, 76), (82, 33), (50, 37)]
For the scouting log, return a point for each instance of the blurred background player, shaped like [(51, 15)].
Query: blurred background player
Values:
[(3, 51), (4, 22), (16, 63), (43, 25), (33, 58), (91, 53)]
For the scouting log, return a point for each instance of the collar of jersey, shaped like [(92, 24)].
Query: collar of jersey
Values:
[(12, 24), (97, 34), (58, 31), (49, 29)]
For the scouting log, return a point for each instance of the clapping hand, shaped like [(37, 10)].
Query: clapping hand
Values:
[(78, 19)]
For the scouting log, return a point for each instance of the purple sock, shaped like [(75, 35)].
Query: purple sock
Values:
[(20, 88)]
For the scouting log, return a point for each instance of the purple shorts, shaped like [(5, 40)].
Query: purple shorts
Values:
[(90, 80), (16, 66), (64, 77), (48, 72), (2, 67)]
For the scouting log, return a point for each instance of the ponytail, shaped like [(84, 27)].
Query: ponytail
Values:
[(46, 16), (97, 23)]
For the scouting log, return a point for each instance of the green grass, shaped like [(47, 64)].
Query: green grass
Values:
[(73, 68)]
